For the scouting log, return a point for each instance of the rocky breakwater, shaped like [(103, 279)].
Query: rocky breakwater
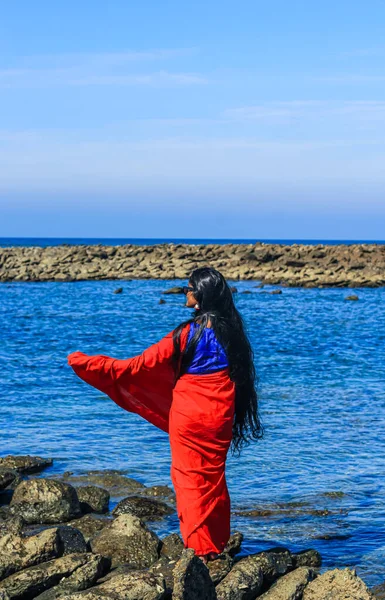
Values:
[(58, 540), (357, 265)]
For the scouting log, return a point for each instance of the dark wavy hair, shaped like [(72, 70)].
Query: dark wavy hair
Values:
[(215, 301)]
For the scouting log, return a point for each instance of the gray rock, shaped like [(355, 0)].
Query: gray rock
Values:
[(45, 501), (118, 291), (192, 579), (135, 585), (159, 491), (233, 546), (274, 563), (164, 568), (352, 297), (172, 546), (33, 581), (220, 567), (7, 475), (90, 525), (81, 579), (244, 582), (307, 558), (93, 499), (12, 525), (337, 584), (17, 552), (291, 586), (174, 290), (144, 508), (26, 464), (114, 481), (127, 540)]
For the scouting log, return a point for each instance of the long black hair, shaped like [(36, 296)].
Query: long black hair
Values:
[(216, 304)]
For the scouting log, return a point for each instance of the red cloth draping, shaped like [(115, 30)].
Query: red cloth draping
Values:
[(197, 411)]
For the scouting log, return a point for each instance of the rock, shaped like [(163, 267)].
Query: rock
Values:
[(90, 525), (307, 558), (127, 586), (12, 525), (233, 546), (335, 585), (93, 499), (159, 491), (33, 581), (378, 591), (45, 501), (274, 563), (174, 290), (352, 297), (6, 477), (164, 568), (291, 586), (141, 507), (244, 582), (192, 580), (114, 481), (162, 301), (233, 289), (220, 567), (26, 464), (276, 292), (128, 540), (17, 552), (71, 540), (172, 546), (118, 291), (246, 292)]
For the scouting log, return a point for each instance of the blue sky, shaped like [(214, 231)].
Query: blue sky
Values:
[(204, 119)]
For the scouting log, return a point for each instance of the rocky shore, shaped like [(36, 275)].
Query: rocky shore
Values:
[(357, 265), (58, 539)]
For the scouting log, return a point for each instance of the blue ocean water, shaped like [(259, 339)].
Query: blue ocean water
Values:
[(321, 365), (43, 242)]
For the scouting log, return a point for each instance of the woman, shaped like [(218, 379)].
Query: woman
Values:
[(198, 384)]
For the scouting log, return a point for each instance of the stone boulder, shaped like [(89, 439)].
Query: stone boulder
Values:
[(144, 508), (337, 584), (192, 579), (25, 464), (243, 582), (307, 558), (128, 540), (90, 525), (220, 567), (291, 586), (6, 477), (45, 501), (33, 581), (127, 586), (71, 540), (17, 552), (172, 546), (159, 491), (233, 546), (93, 498), (110, 479)]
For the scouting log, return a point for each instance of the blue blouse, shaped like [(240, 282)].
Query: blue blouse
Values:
[(210, 355)]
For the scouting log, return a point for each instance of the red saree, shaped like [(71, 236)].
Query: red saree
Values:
[(197, 411)]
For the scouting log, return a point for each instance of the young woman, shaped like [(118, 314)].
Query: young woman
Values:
[(198, 384)]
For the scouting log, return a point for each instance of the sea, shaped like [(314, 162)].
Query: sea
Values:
[(319, 471)]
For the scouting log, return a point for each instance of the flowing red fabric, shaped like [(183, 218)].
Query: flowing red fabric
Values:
[(197, 411)]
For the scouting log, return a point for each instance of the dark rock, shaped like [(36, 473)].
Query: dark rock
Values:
[(12, 525), (307, 558), (33, 581), (159, 491), (336, 584), (233, 289), (220, 567), (144, 508), (352, 297), (71, 540), (127, 540), (93, 499), (174, 290), (233, 546), (164, 568), (90, 525), (6, 477), (192, 579), (274, 563), (162, 301), (244, 582), (276, 292), (291, 586), (172, 546), (135, 585), (246, 292), (118, 291), (45, 501), (26, 464)]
